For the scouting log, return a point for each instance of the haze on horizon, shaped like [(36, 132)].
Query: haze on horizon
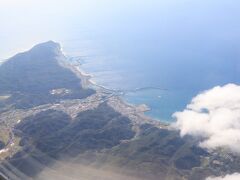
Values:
[(185, 47), (162, 24)]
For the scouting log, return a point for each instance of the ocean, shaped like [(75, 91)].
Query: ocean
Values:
[(165, 81), (161, 53)]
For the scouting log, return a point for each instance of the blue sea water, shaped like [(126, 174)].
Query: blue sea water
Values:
[(181, 54), (169, 78), (180, 47)]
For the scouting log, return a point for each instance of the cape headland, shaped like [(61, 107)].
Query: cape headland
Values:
[(56, 124)]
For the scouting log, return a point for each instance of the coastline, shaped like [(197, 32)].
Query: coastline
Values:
[(86, 78), (124, 107)]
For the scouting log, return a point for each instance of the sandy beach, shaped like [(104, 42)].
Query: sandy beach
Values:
[(115, 100)]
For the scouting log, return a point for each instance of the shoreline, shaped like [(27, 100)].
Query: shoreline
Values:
[(140, 110)]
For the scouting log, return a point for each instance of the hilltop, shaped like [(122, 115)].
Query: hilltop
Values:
[(54, 127)]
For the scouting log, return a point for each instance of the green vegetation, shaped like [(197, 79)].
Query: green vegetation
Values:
[(98, 136), (29, 77)]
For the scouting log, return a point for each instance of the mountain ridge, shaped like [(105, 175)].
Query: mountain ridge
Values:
[(57, 122)]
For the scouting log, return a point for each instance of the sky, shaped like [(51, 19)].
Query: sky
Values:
[(163, 41), (186, 32), (27, 22)]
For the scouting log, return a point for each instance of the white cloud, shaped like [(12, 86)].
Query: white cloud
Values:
[(234, 176), (214, 116)]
